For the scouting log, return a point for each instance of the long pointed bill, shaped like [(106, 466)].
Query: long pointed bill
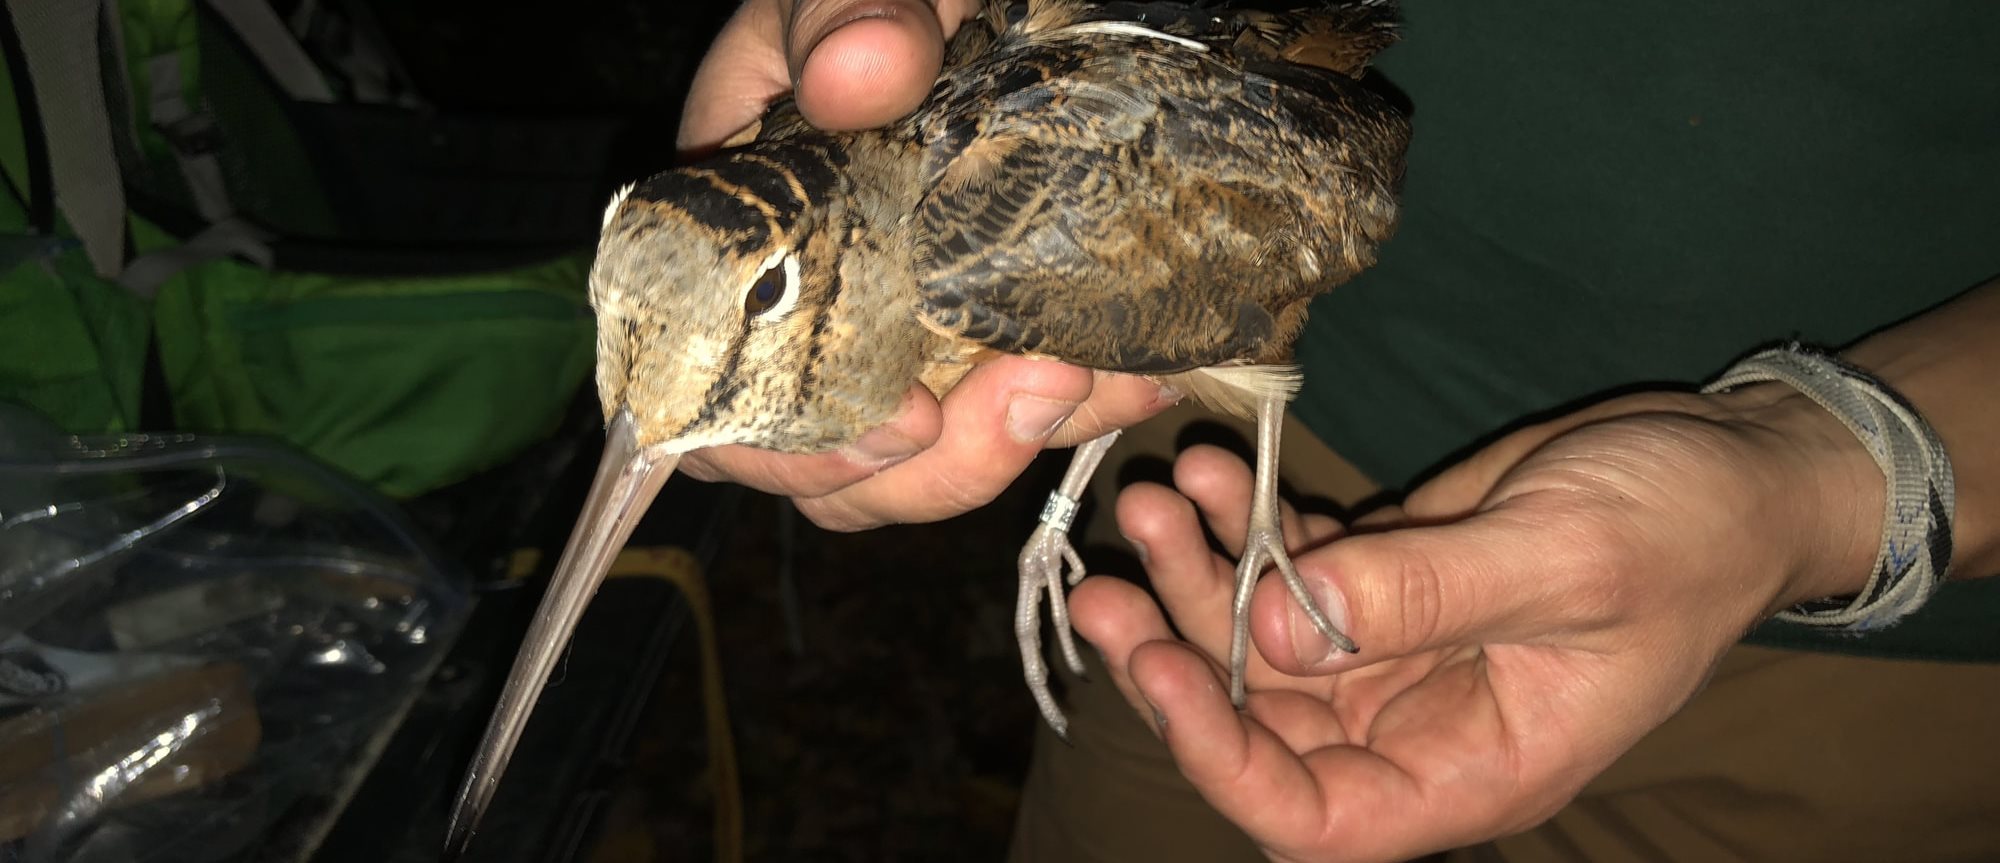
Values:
[(627, 480)]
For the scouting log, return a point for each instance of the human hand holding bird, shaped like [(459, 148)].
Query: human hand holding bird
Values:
[(937, 457)]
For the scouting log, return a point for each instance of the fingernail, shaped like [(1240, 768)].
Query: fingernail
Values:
[(1032, 418), (1170, 395), (1159, 716), (1313, 649), (1138, 548), (880, 448)]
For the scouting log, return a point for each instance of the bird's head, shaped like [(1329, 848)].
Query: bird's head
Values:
[(709, 285)]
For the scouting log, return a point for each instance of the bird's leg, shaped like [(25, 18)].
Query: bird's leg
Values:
[(1264, 544), (1042, 561)]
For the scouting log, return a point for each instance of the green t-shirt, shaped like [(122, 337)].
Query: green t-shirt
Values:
[(1605, 195)]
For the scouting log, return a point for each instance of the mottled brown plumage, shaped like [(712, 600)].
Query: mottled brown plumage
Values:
[(1107, 198), (1145, 187)]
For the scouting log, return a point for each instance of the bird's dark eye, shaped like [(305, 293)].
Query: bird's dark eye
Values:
[(766, 291)]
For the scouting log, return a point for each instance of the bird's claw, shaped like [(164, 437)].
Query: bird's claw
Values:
[(1265, 545), (1048, 563)]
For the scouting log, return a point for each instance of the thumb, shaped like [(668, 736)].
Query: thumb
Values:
[(857, 64), (853, 63), (1494, 577)]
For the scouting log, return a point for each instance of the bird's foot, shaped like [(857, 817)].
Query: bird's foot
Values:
[(1048, 564), (1265, 545)]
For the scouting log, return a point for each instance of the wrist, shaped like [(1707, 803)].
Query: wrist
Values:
[(1823, 490)]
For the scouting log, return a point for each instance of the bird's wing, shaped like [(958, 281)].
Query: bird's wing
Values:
[(1136, 200)]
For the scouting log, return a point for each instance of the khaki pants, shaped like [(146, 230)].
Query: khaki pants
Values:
[(1785, 756)]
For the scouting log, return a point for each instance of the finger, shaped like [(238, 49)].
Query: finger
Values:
[(1117, 401), (743, 71), (1388, 515), (863, 63), (1443, 780), (1318, 528), (1221, 486), (1194, 585), (1116, 616), (995, 422), (1405, 591), (1300, 802), (1240, 767), (1192, 582), (916, 426)]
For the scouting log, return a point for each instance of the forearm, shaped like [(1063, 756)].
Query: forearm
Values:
[(1946, 363)]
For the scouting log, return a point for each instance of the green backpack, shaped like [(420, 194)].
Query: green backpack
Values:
[(227, 220)]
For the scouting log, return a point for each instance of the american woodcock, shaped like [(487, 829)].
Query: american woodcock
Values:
[(1149, 188)]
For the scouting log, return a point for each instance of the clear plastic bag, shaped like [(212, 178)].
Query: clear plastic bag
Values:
[(202, 644)]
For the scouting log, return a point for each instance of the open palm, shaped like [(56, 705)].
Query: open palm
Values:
[(1523, 620)]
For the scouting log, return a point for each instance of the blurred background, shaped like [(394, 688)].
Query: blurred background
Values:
[(295, 414)]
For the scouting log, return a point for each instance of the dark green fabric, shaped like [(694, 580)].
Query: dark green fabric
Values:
[(1604, 195), (72, 346), (409, 383)]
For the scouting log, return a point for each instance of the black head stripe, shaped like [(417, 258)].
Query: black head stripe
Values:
[(708, 204), (816, 164), (765, 178), (790, 175), (744, 195)]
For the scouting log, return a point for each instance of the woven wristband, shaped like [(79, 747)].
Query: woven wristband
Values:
[(1916, 515)]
